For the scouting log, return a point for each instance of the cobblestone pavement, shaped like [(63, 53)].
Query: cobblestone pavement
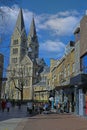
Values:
[(53, 122), (20, 120)]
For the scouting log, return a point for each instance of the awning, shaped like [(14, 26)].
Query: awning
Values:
[(63, 87), (67, 89), (79, 80), (40, 91)]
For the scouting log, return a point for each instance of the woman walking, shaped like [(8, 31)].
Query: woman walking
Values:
[(8, 105)]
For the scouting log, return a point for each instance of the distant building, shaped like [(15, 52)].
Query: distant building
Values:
[(41, 90), (1, 71)]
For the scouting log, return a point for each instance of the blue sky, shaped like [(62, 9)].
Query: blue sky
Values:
[(55, 22)]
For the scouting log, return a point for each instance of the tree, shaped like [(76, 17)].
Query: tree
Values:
[(18, 76)]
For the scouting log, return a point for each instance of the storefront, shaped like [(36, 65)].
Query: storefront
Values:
[(80, 85), (65, 95)]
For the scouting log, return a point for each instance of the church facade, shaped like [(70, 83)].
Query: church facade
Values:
[(25, 65)]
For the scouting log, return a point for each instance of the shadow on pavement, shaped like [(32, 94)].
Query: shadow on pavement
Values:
[(14, 112)]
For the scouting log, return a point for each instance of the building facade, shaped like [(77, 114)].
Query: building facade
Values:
[(41, 89), (69, 74), (80, 80), (65, 69)]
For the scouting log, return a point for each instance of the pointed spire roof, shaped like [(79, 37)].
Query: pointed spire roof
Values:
[(32, 28), (20, 21)]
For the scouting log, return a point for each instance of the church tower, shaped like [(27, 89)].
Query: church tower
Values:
[(18, 41), (25, 63), (33, 45)]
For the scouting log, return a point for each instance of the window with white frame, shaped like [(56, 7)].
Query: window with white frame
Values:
[(65, 73), (68, 70), (73, 67)]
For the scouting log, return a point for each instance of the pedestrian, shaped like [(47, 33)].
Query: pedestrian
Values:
[(8, 105), (13, 103), (0, 105), (19, 104), (3, 105), (58, 107), (41, 108), (30, 107), (36, 108)]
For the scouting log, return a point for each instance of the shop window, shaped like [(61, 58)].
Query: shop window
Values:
[(84, 64)]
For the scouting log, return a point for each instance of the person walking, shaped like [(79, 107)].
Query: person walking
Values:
[(58, 107), (3, 105), (8, 105), (19, 104)]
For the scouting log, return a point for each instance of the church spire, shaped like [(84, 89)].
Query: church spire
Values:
[(33, 44), (20, 21), (19, 40), (32, 32)]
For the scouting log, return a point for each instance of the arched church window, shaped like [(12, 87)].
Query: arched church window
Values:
[(15, 42)]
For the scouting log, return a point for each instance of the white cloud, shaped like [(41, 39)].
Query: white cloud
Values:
[(9, 17), (52, 49), (68, 13), (60, 24)]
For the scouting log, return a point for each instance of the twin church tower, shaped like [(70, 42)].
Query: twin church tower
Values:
[(21, 44), (25, 65)]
